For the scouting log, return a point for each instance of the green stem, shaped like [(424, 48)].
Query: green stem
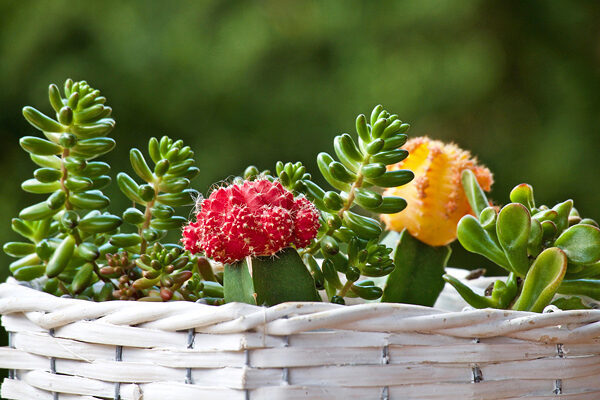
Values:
[(148, 216), (345, 289)]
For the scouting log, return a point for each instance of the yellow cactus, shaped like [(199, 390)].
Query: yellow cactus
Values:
[(436, 199)]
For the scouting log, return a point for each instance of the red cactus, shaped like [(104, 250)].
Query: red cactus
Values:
[(257, 218)]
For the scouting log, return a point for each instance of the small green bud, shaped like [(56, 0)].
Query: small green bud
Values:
[(70, 219), (161, 167), (146, 192), (251, 172), (65, 116)]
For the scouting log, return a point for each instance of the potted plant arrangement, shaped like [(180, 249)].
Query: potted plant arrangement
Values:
[(277, 288)]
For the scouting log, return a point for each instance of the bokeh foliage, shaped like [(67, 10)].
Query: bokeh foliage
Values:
[(254, 82)]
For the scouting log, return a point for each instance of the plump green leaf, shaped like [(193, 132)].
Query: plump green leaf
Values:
[(581, 244), (29, 272), (175, 222), (469, 295), (140, 166), (542, 280), (513, 228), (523, 194), (19, 249), (125, 239), (184, 198), (364, 227), (37, 211), (475, 239), (390, 205), (92, 148), (61, 257), (368, 199), (39, 147), (393, 178), (390, 157), (83, 278), (100, 223), (35, 186), (570, 303), (41, 121), (417, 278), (582, 287), (475, 195), (90, 200)]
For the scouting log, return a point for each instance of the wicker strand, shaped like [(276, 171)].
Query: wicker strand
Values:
[(118, 358), (190, 345), (11, 372), (558, 382), (53, 365), (385, 359)]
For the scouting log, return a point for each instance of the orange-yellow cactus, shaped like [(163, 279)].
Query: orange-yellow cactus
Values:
[(436, 199)]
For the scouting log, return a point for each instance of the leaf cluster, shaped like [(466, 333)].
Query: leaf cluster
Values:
[(348, 241), (545, 250), (73, 245)]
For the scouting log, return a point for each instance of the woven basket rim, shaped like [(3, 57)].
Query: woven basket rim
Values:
[(48, 312)]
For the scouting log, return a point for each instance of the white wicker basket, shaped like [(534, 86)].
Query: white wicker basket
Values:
[(67, 349)]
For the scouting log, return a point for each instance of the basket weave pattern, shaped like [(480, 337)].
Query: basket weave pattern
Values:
[(73, 349)]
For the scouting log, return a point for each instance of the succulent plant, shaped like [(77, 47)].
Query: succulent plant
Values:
[(74, 246), (545, 250), (348, 241)]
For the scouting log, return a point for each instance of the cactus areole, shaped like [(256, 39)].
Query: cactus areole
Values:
[(256, 218)]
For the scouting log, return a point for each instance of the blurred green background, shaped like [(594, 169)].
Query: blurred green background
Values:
[(517, 83)]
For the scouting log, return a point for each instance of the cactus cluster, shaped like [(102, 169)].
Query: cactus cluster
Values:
[(545, 250), (74, 246), (255, 218)]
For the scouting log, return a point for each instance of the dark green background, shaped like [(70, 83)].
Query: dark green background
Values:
[(516, 82)]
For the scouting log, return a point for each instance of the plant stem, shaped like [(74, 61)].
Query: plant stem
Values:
[(345, 289), (148, 216)]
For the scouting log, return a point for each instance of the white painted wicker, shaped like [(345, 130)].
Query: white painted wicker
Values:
[(72, 349)]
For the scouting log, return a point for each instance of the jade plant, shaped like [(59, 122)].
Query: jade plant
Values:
[(545, 251)]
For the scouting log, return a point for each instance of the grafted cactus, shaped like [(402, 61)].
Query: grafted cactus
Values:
[(545, 250)]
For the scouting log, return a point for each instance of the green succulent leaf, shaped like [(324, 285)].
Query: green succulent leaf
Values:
[(41, 121), (364, 227), (39, 147), (475, 239), (523, 194), (99, 223), (475, 194), (581, 244), (513, 228), (542, 281), (474, 300), (582, 287), (61, 257), (393, 178), (140, 166)]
